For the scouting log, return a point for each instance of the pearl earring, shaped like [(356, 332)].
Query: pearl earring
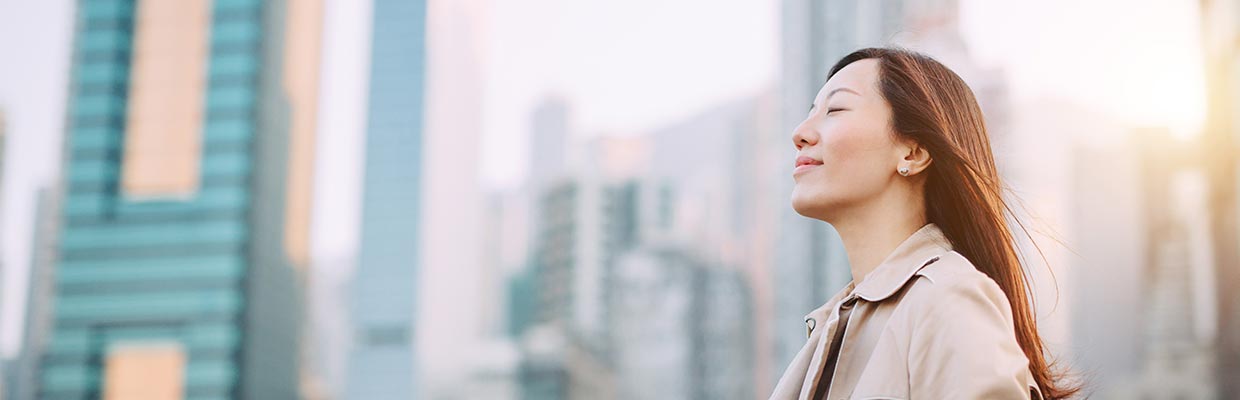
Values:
[(903, 171)]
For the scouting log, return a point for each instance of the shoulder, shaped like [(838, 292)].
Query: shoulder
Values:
[(953, 288), (951, 276), (960, 335)]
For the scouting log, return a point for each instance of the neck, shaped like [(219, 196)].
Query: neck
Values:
[(872, 231)]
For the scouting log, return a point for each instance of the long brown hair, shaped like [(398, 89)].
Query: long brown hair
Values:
[(933, 106)]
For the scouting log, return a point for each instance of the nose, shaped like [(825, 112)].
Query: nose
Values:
[(804, 136)]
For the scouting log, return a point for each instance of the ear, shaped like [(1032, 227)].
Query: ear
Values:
[(914, 157)]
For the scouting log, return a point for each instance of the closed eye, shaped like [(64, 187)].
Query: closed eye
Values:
[(832, 110)]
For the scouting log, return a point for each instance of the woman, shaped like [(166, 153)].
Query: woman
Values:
[(894, 155)]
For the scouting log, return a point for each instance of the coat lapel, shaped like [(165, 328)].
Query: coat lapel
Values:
[(886, 279)]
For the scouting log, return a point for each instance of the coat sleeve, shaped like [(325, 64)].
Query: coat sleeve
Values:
[(963, 345)]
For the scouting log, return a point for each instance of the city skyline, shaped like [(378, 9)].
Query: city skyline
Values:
[(555, 153), (344, 27)]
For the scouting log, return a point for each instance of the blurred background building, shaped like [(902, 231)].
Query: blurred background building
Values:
[(557, 199), (181, 236), (1220, 29), (381, 363)]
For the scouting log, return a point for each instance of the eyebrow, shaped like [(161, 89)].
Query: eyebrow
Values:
[(832, 92), (843, 89)]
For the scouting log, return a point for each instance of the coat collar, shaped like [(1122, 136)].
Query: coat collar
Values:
[(915, 252), (909, 257)]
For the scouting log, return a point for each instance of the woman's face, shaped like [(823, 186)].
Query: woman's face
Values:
[(846, 150)]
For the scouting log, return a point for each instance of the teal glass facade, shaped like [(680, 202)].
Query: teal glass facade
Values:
[(206, 272), (382, 361)]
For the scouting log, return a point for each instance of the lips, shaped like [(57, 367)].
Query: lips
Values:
[(805, 163), (803, 160)]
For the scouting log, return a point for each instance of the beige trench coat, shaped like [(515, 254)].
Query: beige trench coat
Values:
[(925, 324)]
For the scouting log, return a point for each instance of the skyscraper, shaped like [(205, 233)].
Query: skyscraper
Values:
[(37, 320), (563, 349), (186, 184), (727, 184), (3, 127), (1106, 227), (6, 375), (1219, 45), (382, 359), (681, 326)]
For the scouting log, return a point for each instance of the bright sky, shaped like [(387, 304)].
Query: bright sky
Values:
[(625, 66), (1137, 59), (34, 39)]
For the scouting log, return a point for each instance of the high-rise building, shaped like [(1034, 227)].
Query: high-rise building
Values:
[(182, 232), (716, 203), (1177, 349), (450, 273), (722, 342), (36, 326), (382, 360), (1105, 227), (518, 226), (7, 375), (1177, 323), (549, 137), (1220, 35), (569, 258), (642, 264), (3, 138), (563, 347), (325, 359), (681, 327), (585, 220)]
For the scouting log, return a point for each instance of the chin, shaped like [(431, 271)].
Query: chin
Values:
[(809, 205)]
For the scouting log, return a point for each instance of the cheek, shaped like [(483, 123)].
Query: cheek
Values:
[(856, 156), (854, 168), (840, 149)]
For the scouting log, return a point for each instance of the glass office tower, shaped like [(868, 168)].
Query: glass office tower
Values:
[(183, 227), (381, 361)]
